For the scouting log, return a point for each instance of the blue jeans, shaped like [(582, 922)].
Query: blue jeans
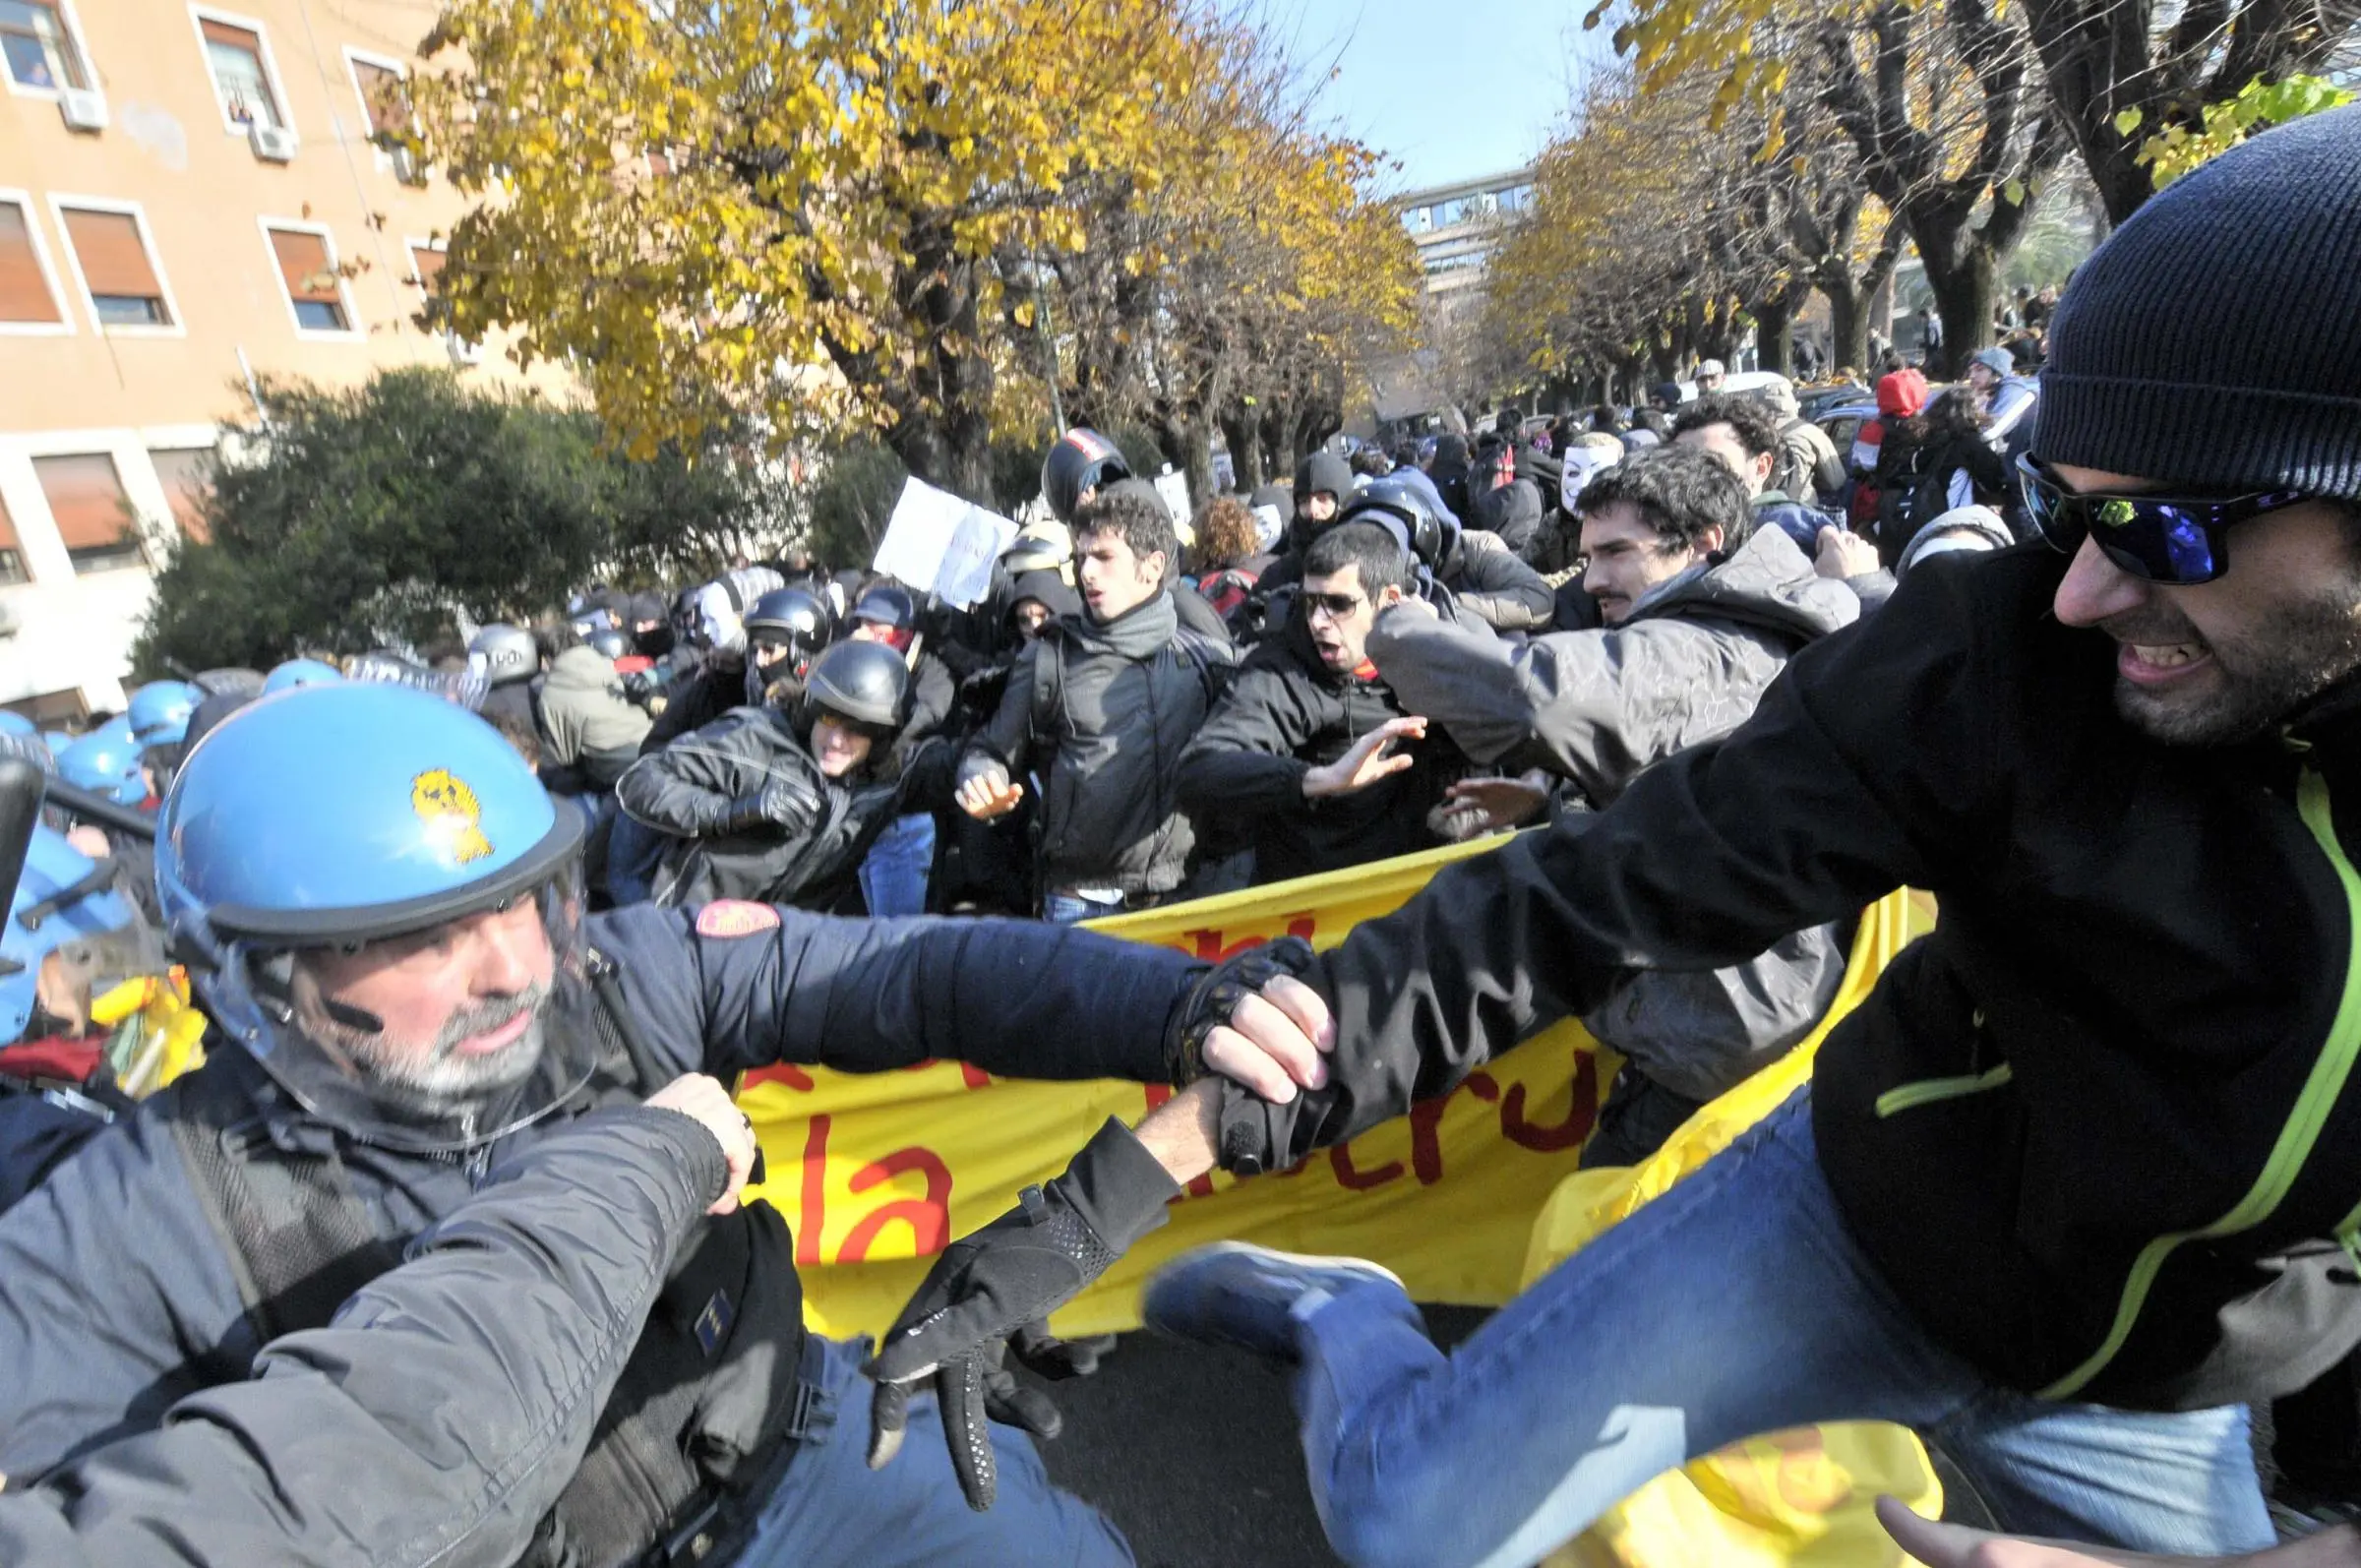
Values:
[(831, 1508), (893, 874), (1066, 909), (635, 851), (1734, 1305)]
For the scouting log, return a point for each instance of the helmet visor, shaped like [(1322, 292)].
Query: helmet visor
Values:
[(431, 1041)]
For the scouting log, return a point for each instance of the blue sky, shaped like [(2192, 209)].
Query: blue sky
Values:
[(1453, 88)]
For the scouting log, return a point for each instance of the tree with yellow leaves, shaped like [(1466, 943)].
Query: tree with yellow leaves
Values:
[(795, 213)]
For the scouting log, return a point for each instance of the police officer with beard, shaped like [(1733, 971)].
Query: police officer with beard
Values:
[(405, 992)]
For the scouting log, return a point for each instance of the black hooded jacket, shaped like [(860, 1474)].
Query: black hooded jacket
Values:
[(2099, 1132), (1286, 712)]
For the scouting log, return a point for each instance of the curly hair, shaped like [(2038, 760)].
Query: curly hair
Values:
[(1750, 420), (1226, 533), (1679, 492)]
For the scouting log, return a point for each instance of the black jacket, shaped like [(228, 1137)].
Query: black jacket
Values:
[(1101, 714), (753, 816), (2100, 1130), (455, 1394), (697, 697), (1286, 713), (118, 1303)]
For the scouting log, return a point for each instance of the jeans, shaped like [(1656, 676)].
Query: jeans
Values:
[(1734, 1305), (831, 1508), (1066, 909), (893, 874), (635, 851)]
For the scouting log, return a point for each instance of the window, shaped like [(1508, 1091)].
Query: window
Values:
[(12, 554), (242, 76), (307, 265), (111, 254), (426, 265), (94, 519), (1418, 219), (29, 299), (39, 48), (384, 95), (187, 475)]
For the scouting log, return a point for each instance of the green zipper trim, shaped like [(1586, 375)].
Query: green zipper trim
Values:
[(1928, 1091), (2321, 1088)]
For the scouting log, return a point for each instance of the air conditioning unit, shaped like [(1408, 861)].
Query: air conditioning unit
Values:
[(83, 109), (409, 166), (273, 144)]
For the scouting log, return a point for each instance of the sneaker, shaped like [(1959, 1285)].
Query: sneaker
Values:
[(1238, 1294)]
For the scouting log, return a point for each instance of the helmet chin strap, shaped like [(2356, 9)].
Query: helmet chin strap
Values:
[(352, 1017)]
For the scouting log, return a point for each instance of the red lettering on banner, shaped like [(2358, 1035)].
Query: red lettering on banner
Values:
[(777, 1072), (812, 1211), (1340, 1160), (928, 1218), (1582, 1110), (1207, 944)]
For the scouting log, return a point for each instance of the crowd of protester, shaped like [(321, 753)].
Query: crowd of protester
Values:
[(1411, 645)]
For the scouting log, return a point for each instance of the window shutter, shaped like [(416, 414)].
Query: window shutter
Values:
[(24, 293), (86, 498), (113, 261), (234, 37), (428, 266), (187, 475), (303, 264), (385, 97)]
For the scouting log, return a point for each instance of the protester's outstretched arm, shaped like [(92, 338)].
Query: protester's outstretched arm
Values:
[(1868, 765), (457, 1394)]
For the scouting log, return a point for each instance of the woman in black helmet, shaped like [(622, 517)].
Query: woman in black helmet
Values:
[(779, 804)]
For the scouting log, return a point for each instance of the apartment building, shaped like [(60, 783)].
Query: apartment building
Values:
[(190, 201)]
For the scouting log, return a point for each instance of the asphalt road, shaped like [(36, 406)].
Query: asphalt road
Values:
[(1194, 1453)]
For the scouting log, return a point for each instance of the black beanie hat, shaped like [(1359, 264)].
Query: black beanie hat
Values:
[(2214, 342)]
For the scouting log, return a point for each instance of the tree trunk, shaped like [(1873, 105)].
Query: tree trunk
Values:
[(1775, 334), (1245, 448), (1847, 329)]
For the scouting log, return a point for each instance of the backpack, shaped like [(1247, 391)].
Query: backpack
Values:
[(1914, 493), (1227, 590)]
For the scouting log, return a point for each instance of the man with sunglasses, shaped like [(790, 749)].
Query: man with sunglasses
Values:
[(2082, 1173), (1309, 751)]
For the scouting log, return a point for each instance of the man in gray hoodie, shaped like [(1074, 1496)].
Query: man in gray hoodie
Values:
[(1702, 611)]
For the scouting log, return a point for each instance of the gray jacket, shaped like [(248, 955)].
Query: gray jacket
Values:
[(459, 1391), (1596, 707), (586, 719)]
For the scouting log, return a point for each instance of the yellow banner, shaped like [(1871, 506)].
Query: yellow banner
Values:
[(1467, 1198), (875, 1173)]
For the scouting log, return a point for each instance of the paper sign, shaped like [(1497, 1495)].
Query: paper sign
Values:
[(938, 543), (1174, 488)]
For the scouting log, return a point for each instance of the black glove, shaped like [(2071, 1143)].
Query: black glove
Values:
[(785, 803), (1004, 1281), (1216, 996)]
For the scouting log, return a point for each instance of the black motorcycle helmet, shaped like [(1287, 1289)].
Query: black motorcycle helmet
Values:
[(1078, 461), (610, 644), (794, 616), (864, 682), (1403, 512), (887, 604)]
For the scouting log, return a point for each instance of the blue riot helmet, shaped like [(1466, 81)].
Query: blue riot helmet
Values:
[(57, 741), (107, 761), (159, 712), (16, 724), (414, 814), (53, 867), (299, 672)]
